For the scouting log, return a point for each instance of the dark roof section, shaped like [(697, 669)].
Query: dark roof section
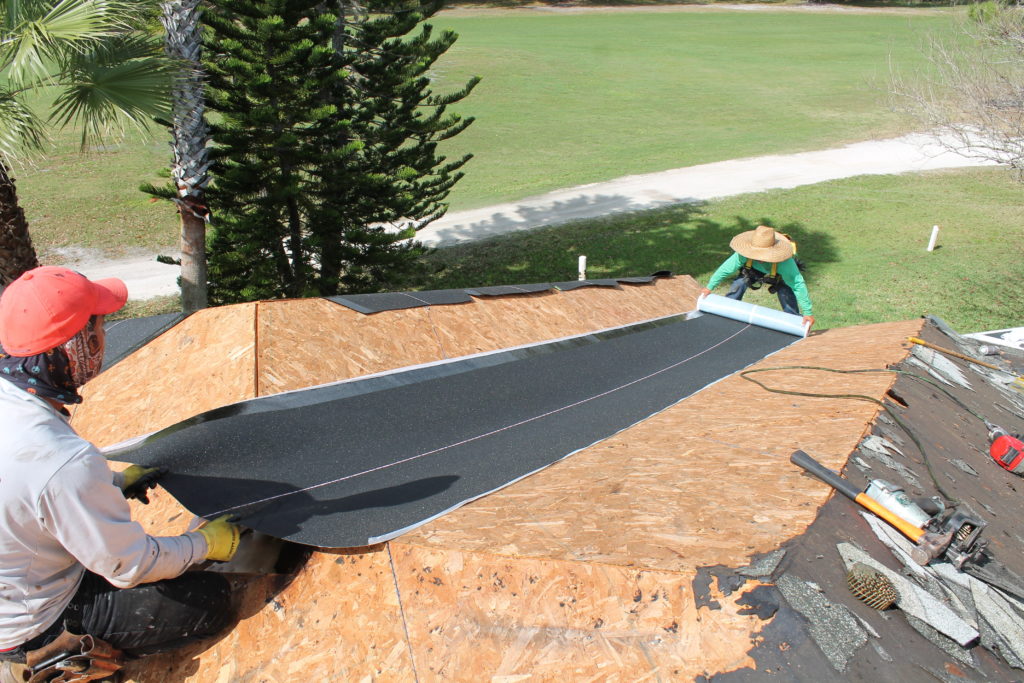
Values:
[(511, 290), (820, 631), (390, 301)]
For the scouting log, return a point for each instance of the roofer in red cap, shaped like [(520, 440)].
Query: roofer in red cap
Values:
[(71, 558), (764, 256)]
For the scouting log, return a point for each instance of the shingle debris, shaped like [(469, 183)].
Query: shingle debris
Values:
[(832, 626), (963, 466), (914, 600), (999, 617), (764, 566), (878, 447), (938, 366)]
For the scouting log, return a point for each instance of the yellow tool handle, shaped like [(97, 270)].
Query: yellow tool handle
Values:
[(922, 342), (845, 487), (906, 528)]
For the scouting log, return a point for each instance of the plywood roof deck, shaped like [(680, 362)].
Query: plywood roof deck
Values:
[(585, 570)]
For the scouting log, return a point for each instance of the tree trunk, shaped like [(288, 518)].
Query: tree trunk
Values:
[(191, 164), (193, 262), (17, 254)]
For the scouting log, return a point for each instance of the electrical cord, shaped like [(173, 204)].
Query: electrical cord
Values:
[(950, 500)]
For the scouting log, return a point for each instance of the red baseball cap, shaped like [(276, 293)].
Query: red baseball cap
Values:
[(46, 306)]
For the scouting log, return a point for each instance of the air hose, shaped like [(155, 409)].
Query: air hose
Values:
[(949, 500)]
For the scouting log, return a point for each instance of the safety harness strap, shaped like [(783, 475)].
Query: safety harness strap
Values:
[(755, 278)]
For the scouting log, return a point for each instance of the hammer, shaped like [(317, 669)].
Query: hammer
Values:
[(957, 537)]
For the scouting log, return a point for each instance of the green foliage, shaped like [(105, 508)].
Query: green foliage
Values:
[(998, 24), (984, 12), (326, 148)]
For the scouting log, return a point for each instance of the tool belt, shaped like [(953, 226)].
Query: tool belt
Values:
[(73, 658)]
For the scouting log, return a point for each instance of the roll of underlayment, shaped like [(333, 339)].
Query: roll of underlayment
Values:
[(753, 314)]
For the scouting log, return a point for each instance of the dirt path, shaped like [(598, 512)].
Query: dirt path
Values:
[(146, 278)]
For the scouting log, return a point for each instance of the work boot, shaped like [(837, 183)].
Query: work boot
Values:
[(12, 672)]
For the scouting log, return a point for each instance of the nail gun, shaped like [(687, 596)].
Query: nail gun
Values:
[(952, 534)]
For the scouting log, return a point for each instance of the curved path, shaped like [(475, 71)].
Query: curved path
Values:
[(147, 278)]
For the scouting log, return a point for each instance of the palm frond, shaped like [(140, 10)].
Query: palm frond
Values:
[(20, 128), (124, 80), (81, 21), (36, 34)]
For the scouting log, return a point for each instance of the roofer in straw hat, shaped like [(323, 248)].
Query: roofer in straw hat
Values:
[(68, 545), (764, 256)]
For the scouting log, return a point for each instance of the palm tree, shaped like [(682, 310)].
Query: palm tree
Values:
[(190, 134), (104, 71)]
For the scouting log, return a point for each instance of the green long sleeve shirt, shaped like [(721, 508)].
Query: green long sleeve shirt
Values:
[(787, 269)]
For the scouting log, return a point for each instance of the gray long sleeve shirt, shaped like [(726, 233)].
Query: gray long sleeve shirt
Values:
[(60, 514)]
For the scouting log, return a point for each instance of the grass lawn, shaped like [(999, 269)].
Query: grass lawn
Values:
[(569, 98), (864, 241)]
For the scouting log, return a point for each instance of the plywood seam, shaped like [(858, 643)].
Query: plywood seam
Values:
[(401, 613), (256, 389), (437, 337)]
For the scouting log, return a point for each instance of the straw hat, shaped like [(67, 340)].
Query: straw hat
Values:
[(762, 244)]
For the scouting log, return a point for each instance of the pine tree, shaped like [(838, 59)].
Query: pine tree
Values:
[(326, 153)]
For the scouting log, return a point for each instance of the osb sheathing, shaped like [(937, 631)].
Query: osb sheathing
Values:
[(539, 581), (207, 361), (479, 617), (339, 620), (314, 341)]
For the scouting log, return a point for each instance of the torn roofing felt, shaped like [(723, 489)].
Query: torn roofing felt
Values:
[(356, 462), (946, 625)]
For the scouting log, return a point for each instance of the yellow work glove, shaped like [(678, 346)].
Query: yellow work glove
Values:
[(138, 480), (221, 538)]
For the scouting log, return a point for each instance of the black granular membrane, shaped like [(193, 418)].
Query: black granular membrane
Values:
[(358, 462)]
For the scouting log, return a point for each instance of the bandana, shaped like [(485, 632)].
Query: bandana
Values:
[(46, 375), (85, 352), (59, 372)]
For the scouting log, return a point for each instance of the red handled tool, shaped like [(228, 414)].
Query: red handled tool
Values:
[(1006, 449)]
